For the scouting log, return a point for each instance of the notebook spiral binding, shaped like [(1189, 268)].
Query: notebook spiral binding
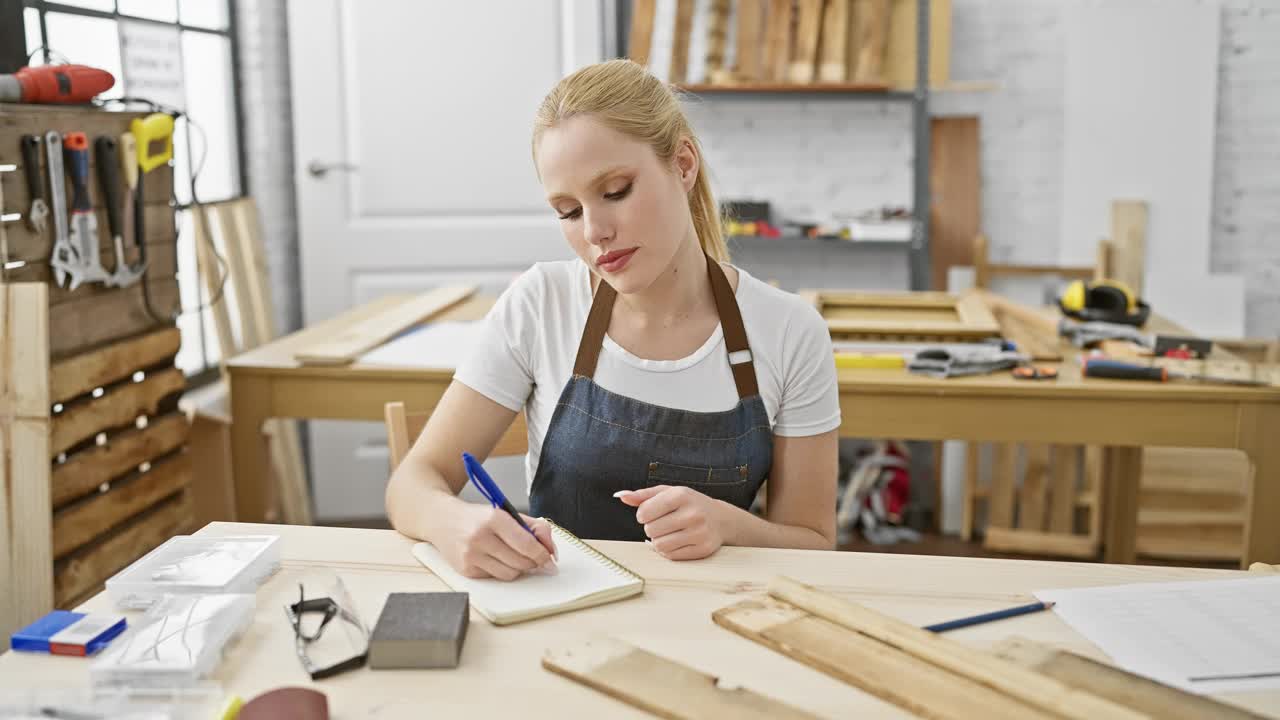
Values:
[(605, 559)]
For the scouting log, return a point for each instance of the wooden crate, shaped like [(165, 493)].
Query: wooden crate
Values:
[(115, 468)]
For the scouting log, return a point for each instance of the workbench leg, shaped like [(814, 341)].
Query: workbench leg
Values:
[(250, 407), (1260, 440), (1122, 473)]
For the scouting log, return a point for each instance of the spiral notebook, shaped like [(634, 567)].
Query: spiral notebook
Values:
[(586, 577)]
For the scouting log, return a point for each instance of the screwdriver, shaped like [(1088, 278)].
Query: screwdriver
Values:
[(1117, 370)]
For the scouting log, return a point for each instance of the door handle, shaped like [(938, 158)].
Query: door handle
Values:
[(319, 169)]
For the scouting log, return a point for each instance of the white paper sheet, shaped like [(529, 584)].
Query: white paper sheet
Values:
[(1183, 633), (434, 345)]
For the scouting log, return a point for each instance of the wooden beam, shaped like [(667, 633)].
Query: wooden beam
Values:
[(86, 471), (640, 38), (1032, 494), (26, 563), (900, 60), (348, 345), (81, 374), (1062, 491), (1003, 473), (833, 66), (680, 43), (115, 409), (955, 185), (1155, 699), (777, 48), (1045, 694), (79, 524), (1123, 468), (660, 686), (717, 38), (883, 670), (747, 49), (82, 571), (805, 56), (1038, 542), (1129, 242), (870, 41)]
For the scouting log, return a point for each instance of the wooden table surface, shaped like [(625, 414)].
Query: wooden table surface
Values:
[(500, 673), (1123, 416)]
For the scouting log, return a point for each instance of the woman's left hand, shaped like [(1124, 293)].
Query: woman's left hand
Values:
[(682, 524)]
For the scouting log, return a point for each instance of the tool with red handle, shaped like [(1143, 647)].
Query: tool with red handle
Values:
[(55, 84), (1117, 370), (84, 224)]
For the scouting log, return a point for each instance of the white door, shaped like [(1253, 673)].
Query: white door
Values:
[(412, 123)]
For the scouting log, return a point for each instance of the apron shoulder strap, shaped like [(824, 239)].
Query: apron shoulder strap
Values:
[(735, 333)]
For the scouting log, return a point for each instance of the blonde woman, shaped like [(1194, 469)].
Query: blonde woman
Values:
[(661, 384)]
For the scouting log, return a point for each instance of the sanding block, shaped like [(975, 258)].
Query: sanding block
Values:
[(420, 630)]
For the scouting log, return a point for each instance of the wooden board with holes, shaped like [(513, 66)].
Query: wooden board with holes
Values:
[(920, 314), (659, 685)]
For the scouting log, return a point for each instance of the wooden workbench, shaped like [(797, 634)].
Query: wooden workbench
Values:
[(1123, 416), (500, 673)]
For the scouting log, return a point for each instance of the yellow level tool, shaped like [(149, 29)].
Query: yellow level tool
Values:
[(870, 360)]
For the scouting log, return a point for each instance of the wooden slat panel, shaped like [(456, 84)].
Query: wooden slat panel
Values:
[(25, 560), (84, 571), (1000, 502), (747, 51), (663, 687), (114, 409), (884, 671), (1034, 542), (954, 191), (777, 49), (640, 37), (81, 374), (1035, 481), (1153, 698), (78, 524), (84, 323), (88, 469), (680, 43), (1062, 493), (26, 245), (162, 261), (835, 33), (804, 58)]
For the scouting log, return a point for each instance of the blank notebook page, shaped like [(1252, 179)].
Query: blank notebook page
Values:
[(585, 578)]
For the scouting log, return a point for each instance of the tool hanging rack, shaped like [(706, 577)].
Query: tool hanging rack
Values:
[(117, 467)]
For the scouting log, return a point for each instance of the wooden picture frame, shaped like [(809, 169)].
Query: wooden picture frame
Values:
[(929, 316)]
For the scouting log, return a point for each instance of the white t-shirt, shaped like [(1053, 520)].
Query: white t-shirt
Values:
[(525, 353)]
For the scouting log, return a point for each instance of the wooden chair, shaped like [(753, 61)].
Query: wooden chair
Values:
[(404, 427)]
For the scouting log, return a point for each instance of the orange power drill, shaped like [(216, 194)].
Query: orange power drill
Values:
[(55, 84)]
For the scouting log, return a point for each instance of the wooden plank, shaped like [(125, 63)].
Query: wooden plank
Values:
[(717, 38), (212, 276), (1172, 542), (86, 471), (1029, 339), (747, 53), (804, 58), (658, 685), (1045, 694), (79, 375), (971, 470), (974, 314), (870, 41), (955, 205), (1123, 467), (777, 47), (1094, 481), (115, 409), (926, 299), (1038, 542), (1000, 502), (680, 43), (900, 62), (346, 346), (835, 34), (26, 561), (82, 571), (1062, 491), (79, 524), (88, 322), (1035, 481), (1143, 694), (640, 38), (1129, 242), (865, 663)]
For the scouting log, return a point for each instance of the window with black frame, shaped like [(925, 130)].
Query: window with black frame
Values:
[(207, 138)]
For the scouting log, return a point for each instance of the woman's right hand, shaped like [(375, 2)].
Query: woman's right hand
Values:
[(487, 542)]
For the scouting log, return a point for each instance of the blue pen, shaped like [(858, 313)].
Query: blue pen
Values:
[(490, 490)]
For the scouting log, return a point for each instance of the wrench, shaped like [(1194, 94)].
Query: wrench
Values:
[(109, 178), (39, 210), (84, 224), (65, 258)]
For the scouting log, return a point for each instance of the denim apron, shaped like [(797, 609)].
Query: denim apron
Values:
[(600, 442)]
